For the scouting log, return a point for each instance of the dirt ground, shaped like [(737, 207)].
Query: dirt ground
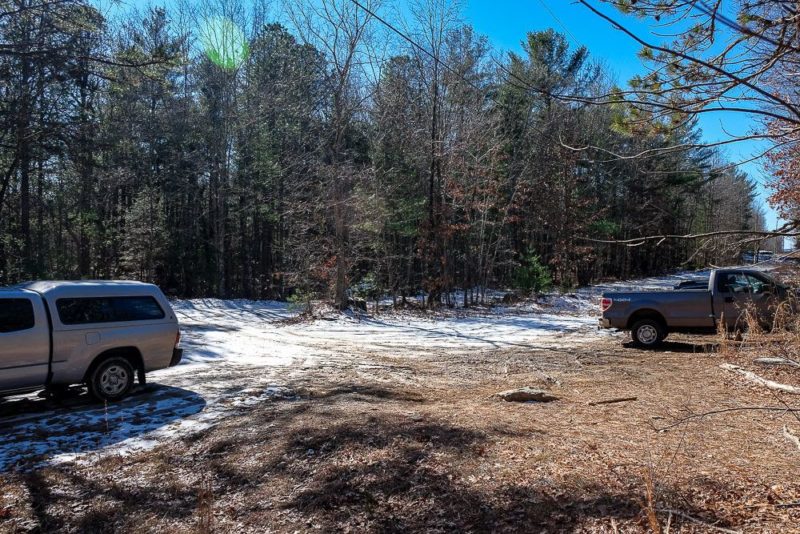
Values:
[(420, 444)]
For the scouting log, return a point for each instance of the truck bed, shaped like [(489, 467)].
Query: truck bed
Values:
[(682, 308)]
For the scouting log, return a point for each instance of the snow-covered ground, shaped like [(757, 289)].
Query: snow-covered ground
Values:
[(236, 350)]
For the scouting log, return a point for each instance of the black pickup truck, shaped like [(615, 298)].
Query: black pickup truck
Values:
[(693, 306)]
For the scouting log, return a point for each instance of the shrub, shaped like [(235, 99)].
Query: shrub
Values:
[(532, 276), (300, 301), (368, 288)]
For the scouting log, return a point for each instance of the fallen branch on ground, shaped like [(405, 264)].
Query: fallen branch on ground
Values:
[(791, 437), (777, 361), (752, 377), (698, 521), (613, 401), (683, 420), (775, 505)]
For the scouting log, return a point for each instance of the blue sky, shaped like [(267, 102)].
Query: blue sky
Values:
[(506, 22)]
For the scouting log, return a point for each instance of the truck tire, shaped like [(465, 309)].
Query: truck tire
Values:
[(112, 379), (648, 333)]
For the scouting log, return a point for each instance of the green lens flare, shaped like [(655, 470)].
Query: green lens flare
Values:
[(224, 42)]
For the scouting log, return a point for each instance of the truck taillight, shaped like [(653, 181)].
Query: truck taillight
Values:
[(177, 337), (605, 303)]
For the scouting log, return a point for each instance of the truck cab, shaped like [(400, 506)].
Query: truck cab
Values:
[(735, 291), (24, 341)]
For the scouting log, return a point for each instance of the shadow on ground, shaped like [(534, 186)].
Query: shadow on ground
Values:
[(35, 429), (677, 346), (335, 463)]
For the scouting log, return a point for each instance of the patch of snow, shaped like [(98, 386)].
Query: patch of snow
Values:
[(191, 423), (235, 350)]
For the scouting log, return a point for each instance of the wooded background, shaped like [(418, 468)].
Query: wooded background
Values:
[(332, 157)]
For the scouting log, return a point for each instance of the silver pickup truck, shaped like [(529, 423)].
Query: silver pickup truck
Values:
[(694, 306), (100, 333)]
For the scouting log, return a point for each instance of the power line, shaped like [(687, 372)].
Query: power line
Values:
[(525, 83), (563, 26), (415, 44)]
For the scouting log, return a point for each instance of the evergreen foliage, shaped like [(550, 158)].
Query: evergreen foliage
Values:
[(305, 165)]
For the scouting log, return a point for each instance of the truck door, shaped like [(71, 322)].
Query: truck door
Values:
[(764, 297), (734, 297), (24, 342)]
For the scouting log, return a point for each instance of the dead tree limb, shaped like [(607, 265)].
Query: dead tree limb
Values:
[(698, 521), (785, 231), (777, 361), (686, 419), (613, 401), (752, 377)]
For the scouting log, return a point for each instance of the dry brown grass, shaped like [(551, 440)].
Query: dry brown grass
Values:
[(205, 507), (418, 445)]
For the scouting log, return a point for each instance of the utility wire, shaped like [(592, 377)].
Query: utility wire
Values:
[(525, 83), (416, 45), (563, 26)]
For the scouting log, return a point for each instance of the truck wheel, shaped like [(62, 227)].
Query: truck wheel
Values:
[(648, 333), (112, 379)]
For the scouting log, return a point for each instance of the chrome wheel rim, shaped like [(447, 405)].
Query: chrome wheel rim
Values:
[(647, 334), (114, 380)]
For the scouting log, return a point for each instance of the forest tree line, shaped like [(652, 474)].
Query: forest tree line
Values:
[(329, 157)]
